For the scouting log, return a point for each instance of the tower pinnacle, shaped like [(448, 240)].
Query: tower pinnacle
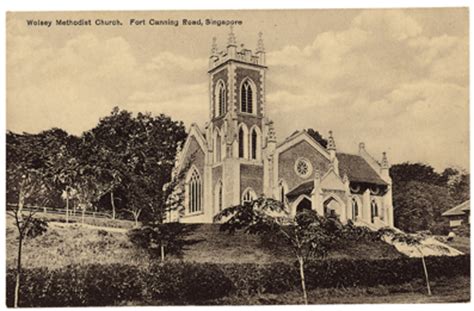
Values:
[(231, 41), (260, 47), (384, 164), (331, 142), (214, 46)]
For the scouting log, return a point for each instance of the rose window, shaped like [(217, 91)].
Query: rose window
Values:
[(303, 167)]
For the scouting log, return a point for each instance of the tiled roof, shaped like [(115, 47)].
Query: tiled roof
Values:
[(357, 169), (461, 209), (304, 188)]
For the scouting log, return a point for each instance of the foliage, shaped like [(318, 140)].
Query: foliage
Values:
[(421, 195), (309, 235), (189, 283), (153, 237), (318, 137), (182, 283), (418, 206)]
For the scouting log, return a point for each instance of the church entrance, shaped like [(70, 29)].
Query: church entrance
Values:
[(304, 205), (331, 208)]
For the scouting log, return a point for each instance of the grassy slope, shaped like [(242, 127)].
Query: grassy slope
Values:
[(77, 244)]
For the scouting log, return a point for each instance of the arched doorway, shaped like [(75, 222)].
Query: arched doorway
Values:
[(304, 205), (332, 207)]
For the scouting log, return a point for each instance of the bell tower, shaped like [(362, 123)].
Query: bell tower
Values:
[(237, 97), (237, 124)]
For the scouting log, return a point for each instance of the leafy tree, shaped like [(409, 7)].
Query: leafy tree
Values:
[(318, 137), (406, 172), (308, 234), (107, 146), (457, 181), (156, 238), (418, 206), (135, 156), (414, 240), (27, 227), (29, 161)]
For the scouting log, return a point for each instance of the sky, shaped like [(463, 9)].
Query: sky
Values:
[(397, 80)]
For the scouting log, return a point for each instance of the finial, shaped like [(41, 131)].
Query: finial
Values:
[(232, 40), (260, 47), (384, 160), (331, 142), (345, 179), (361, 146), (317, 174), (214, 46), (271, 132)]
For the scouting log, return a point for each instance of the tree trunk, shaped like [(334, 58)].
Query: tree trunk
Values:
[(426, 274), (21, 202), (303, 282), (112, 203), (136, 215), (67, 207), (18, 273), (162, 249)]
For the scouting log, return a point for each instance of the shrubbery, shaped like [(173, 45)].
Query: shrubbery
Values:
[(196, 283)]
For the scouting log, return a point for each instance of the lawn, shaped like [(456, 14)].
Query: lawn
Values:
[(75, 243)]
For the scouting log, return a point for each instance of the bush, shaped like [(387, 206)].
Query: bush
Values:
[(89, 285), (197, 283), (187, 282)]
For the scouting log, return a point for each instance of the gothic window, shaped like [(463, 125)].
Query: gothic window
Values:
[(355, 209), (217, 147), (282, 191), (241, 143), (219, 196), (248, 196), (303, 167), (374, 210), (247, 97), (194, 192), (220, 99), (254, 144)]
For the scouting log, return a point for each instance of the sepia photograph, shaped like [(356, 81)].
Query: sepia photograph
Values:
[(237, 157)]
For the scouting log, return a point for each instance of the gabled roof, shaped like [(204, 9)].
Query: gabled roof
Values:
[(357, 169), (304, 188), (461, 209)]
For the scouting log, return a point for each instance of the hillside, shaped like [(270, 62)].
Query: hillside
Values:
[(80, 244)]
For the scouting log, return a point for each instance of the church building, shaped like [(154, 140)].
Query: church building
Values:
[(237, 157)]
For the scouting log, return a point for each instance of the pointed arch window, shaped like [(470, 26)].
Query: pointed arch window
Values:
[(219, 195), (282, 189), (374, 210), (221, 99), (355, 209), (194, 192), (218, 147), (254, 146), (247, 97), (241, 143)]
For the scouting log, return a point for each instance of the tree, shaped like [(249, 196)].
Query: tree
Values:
[(28, 172), (27, 227), (308, 234), (418, 206), (414, 240), (421, 172), (136, 155), (318, 137)]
